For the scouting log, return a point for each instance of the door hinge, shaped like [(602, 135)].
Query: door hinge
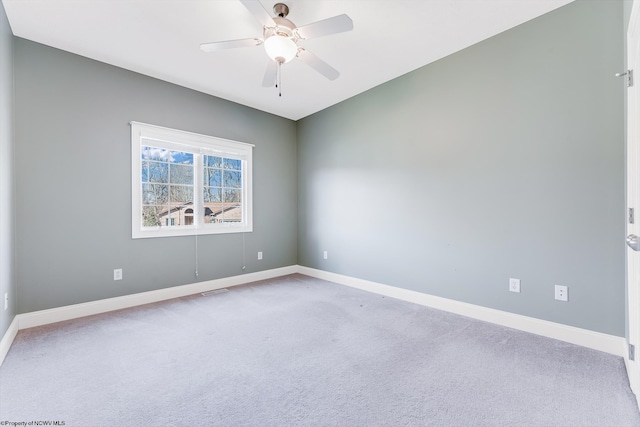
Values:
[(632, 352), (628, 78), (632, 216)]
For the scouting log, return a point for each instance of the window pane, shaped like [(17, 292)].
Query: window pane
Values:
[(232, 179), (145, 171), (155, 172), (152, 153), (151, 215), (181, 194), (211, 212), (155, 194), (232, 164), (213, 161), (232, 213), (232, 196), (170, 216), (181, 174), (212, 195), (181, 157), (213, 177)]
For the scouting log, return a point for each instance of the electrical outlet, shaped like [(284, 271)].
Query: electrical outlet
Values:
[(117, 274), (514, 285), (562, 293), (6, 300), (326, 255), (259, 256)]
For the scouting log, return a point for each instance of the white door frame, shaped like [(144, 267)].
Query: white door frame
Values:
[(633, 198)]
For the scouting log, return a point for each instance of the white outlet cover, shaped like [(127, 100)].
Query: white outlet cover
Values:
[(259, 256), (326, 255), (562, 293), (117, 274), (514, 285)]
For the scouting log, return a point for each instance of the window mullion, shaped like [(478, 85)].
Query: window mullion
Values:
[(198, 202)]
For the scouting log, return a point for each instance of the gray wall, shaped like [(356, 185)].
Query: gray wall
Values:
[(503, 160), (7, 282), (72, 172)]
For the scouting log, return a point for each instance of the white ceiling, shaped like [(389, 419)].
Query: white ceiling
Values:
[(161, 38)]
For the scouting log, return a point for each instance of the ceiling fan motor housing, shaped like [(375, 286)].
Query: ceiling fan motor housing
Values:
[(283, 27)]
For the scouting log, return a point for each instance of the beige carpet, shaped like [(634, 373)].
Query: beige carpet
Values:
[(298, 351)]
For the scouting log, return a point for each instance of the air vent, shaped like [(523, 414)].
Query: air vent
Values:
[(213, 292)]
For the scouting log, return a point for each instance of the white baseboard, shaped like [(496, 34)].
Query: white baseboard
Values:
[(59, 314), (7, 339), (595, 340), (583, 337)]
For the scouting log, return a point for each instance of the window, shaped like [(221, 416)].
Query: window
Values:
[(185, 183)]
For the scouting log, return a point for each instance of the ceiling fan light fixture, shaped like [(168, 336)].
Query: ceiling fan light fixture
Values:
[(280, 49), (280, 40)]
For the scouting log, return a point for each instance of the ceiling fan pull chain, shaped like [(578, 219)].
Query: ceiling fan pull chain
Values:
[(279, 80)]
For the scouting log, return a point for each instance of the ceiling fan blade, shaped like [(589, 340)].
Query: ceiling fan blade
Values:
[(229, 44), (270, 74), (318, 64), (260, 13), (337, 24)]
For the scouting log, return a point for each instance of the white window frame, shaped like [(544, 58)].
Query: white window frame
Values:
[(143, 134)]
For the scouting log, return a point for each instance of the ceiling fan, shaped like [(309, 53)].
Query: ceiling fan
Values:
[(280, 40)]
